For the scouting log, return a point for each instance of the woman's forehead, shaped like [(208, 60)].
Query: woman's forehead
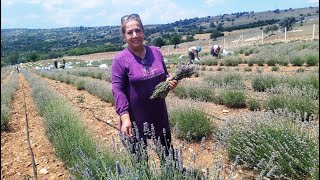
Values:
[(132, 25)]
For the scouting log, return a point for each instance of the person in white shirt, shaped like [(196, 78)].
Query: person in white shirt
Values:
[(192, 51), (215, 51)]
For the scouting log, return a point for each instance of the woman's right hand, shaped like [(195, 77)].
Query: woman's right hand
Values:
[(126, 127)]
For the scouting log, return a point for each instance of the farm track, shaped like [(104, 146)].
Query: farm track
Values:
[(15, 154)]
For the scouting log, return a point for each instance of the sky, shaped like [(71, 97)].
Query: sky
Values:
[(47, 14)]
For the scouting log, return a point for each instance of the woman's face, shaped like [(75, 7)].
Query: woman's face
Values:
[(133, 34)]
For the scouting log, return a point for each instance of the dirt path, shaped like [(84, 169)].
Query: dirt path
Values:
[(15, 155)]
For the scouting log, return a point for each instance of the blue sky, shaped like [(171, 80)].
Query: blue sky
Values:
[(46, 14)]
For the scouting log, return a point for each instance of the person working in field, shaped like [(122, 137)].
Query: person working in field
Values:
[(193, 53), (136, 71), (215, 51)]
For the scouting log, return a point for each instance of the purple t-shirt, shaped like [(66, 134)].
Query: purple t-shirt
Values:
[(133, 81)]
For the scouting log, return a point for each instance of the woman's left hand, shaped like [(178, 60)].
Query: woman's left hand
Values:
[(173, 84)]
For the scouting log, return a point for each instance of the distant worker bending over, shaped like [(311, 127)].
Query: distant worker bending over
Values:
[(215, 51), (192, 51)]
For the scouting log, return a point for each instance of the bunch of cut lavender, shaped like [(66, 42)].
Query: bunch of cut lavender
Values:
[(182, 71)]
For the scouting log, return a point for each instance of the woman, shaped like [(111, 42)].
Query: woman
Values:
[(215, 51), (136, 71), (192, 51)]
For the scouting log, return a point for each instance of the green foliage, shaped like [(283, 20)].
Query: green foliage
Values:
[(7, 92), (287, 22), (175, 39), (271, 29), (182, 71), (4, 117), (209, 62), (233, 98), (312, 59), (263, 82), (80, 84), (233, 80), (297, 61), (191, 123), (277, 148), (195, 92), (64, 128), (231, 61), (274, 68), (253, 104), (34, 57), (215, 34), (302, 105), (159, 42)]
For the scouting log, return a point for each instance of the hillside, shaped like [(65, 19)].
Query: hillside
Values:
[(21, 45)]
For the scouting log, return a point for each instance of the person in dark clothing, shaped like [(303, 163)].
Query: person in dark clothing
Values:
[(55, 64), (63, 64), (215, 51)]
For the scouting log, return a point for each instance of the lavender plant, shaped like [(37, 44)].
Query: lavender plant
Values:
[(276, 144), (182, 71), (7, 92)]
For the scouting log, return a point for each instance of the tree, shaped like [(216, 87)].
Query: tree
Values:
[(215, 33), (34, 57), (175, 39), (270, 29), (288, 22), (13, 58), (190, 38), (212, 25), (159, 42)]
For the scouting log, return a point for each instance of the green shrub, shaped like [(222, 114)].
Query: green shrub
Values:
[(4, 117), (263, 82), (253, 104), (233, 98), (297, 61), (312, 60), (271, 62), (231, 61), (277, 147), (302, 105), (209, 62), (194, 92), (191, 123), (230, 79), (80, 84), (274, 68)]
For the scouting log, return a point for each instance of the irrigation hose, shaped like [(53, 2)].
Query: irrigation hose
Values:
[(28, 138), (90, 109)]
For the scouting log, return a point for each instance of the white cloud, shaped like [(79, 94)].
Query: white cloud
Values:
[(33, 1), (212, 3), (32, 16), (7, 2), (313, 1)]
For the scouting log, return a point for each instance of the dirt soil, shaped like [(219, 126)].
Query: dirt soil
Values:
[(16, 160)]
